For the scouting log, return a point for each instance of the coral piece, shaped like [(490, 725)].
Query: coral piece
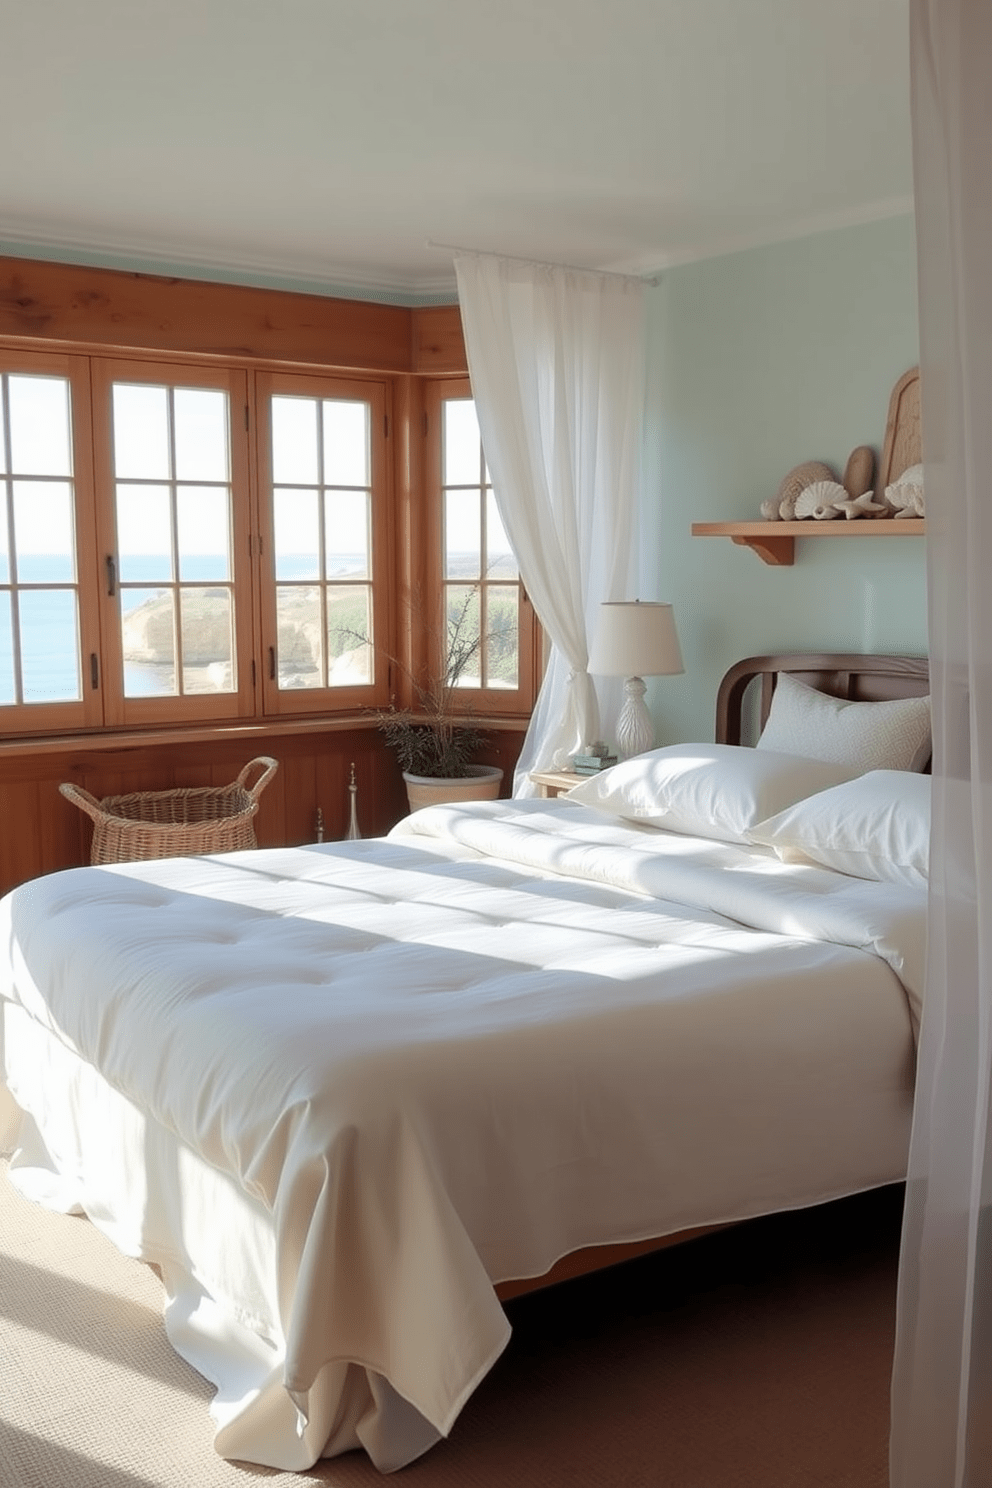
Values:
[(819, 501), (859, 472), (905, 496), (861, 506), (796, 482)]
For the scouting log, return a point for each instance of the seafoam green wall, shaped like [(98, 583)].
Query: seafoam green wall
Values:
[(756, 361)]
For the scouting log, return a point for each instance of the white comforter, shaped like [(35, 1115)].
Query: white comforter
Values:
[(336, 1092)]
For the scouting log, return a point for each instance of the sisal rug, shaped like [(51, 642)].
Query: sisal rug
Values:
[(755, 1358)]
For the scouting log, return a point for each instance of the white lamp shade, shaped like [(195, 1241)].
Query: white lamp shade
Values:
[(635, 638)]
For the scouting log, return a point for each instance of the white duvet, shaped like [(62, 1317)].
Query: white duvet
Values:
[(336, 1092)]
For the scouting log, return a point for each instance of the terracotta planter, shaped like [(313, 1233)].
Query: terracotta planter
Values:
[(481, 785)]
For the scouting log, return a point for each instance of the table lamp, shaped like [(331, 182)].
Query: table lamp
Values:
[(635, 639)]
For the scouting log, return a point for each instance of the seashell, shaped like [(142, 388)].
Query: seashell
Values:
[(818, 501), (861, 506), (905, 496), (796, 481), (859, 472), (769, 510)]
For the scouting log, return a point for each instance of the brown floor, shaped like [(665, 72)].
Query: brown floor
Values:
[(757, 1358)]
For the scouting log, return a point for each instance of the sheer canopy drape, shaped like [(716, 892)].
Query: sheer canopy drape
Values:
[(556, 359), (942, 1379)]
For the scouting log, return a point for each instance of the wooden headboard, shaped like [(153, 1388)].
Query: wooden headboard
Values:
[(862, 679)]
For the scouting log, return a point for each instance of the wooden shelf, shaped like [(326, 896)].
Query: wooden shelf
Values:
[(775, 542)]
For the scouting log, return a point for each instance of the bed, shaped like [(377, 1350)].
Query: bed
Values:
[(349, 1097)]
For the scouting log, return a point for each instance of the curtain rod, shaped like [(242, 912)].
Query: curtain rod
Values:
[(544, 263)]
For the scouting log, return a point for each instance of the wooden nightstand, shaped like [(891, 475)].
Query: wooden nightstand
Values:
[(554, 782)]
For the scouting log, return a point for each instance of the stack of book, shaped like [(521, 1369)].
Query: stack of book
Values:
[(595, 759)]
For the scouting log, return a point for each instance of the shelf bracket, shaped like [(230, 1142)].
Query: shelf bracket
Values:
[(780, 552)]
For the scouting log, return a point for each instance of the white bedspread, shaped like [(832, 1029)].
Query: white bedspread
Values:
[(338, 1091)]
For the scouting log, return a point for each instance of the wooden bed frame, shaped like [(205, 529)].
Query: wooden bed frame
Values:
[(846, 675)]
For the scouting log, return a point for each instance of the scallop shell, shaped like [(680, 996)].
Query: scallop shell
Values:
[(859, 471), (818, 500), (796, 481)]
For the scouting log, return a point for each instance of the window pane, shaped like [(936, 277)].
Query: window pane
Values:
[(4, 553), (144, 534), (203, 517), (49, 625), (346, 534), (299, 630), (502, 636), (7, 694), (141, 432), (346, 443), (208, 640), (462, 535), (500, 561), (464, 639), (297, 534), (462, 444), (39, 426), (201, 434), (43, 532), (349, 620), (148, 629), (294, 441)]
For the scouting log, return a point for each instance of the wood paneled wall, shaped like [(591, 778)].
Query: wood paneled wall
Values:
[(40, 831), (66, 304)]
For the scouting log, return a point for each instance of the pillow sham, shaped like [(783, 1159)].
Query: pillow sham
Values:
[(706, 790), (876, 826), (892, 735)]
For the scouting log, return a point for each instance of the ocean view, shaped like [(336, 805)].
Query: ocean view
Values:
[(52, 669)]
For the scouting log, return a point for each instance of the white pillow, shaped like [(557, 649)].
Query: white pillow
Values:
[(707, 790), (893, 735), (876, 826)]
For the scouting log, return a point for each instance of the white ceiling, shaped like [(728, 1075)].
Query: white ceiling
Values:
[(329, 142)]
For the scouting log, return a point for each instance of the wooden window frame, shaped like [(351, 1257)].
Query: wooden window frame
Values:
[(278, 702), (496, 702), (86, 712), (126, 712), (66, 317)]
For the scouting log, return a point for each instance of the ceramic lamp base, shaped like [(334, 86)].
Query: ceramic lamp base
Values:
[(635, 728)]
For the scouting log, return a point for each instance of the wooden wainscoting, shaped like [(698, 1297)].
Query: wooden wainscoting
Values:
[(41, 832)]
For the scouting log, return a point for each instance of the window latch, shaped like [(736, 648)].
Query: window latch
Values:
[(111, 575), (94, 671)]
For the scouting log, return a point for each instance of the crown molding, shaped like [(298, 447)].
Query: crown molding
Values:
[(348, 281), (141, 257)]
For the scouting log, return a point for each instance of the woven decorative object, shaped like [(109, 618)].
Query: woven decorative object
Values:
[(185, 822), (859, 472), (796, 482)]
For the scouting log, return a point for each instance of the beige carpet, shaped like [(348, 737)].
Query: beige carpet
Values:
[(757, 1358)]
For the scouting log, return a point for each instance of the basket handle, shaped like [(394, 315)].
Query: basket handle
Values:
[(82, 798), (269, 767)]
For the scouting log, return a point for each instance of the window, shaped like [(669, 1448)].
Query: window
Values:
[(326, 527), (187, 542), (174, 524), (488, 634), (49, 665)]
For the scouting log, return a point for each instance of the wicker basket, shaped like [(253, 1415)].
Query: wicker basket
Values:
[(174, 823)]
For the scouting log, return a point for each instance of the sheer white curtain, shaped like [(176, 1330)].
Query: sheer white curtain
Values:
[(556, 359), (942, 1379)]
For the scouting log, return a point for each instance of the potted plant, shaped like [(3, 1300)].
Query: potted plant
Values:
[(435, 739)]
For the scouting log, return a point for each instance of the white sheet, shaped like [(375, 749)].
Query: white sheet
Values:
[(343, 1089)]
